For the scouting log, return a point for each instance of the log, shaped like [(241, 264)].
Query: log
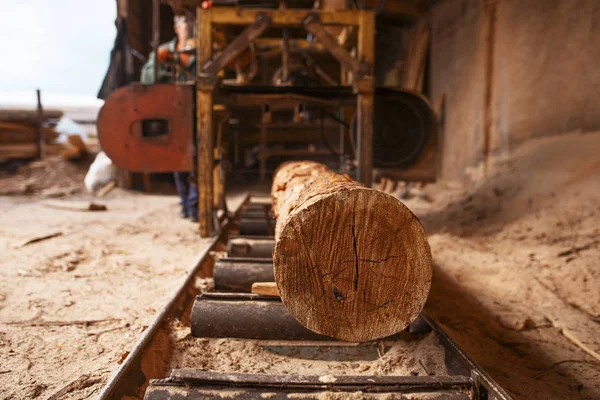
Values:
[(350, 262)]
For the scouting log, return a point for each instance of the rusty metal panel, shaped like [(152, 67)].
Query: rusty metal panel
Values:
[(149, 128)]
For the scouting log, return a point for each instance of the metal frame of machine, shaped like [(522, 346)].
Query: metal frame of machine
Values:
[(256, 22)]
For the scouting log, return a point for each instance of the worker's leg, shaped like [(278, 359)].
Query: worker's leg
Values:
[(183, 188), (192, 202)]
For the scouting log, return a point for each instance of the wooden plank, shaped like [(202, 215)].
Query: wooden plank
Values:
[(14, 133), (364, 105), (106, 189), (77, 142), (27, 116), (286, 17), (414, 71), (366, 36), (265, 289), (364, 100), (18, 151)]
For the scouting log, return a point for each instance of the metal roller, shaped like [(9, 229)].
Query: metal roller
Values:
[(257, 214), (238, 274), (246, 319), (260, 227), (251, 247)]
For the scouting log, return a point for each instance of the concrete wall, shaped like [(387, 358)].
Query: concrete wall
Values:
[(528, 68)]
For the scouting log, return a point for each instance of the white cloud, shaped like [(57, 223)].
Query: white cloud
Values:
[(60, 46)]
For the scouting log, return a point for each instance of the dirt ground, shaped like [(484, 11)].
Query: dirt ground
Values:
[(515, 283), (114, 268)]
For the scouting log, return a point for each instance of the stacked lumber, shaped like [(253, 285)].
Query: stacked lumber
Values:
[(19, 132), (350, 262)]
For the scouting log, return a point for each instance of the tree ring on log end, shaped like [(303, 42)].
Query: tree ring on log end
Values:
[(353, 264)]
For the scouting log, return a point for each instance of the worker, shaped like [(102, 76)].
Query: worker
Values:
[(177, 63)]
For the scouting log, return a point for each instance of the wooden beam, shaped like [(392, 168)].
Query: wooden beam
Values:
[(295, 44), (204, 127), (364, 105), (364, 100), (314, 26), (287, 17), (238, 45), (366, 36)]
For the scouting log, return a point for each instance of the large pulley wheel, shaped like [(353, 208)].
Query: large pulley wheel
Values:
[(402, 123)]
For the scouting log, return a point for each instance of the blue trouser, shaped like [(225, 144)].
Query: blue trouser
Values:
[(188, 193)]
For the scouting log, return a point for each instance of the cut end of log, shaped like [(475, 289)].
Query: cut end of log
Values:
[(352, 263)]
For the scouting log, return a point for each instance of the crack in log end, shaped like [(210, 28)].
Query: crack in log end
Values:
[(355, 251), (338, 295), (377, 307)]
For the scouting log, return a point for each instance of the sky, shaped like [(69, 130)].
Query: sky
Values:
[(59, 46)]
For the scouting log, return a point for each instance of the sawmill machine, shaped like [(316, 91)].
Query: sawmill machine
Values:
[(277, 81)]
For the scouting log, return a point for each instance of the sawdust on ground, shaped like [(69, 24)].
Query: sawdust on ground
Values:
[(73, 306), (416, 355), (517, 273)]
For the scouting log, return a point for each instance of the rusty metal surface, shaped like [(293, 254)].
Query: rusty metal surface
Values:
[(246, 319), (250, 247), (204, 384), (373, 383), (167, 390), (238, 274), (149, 128)]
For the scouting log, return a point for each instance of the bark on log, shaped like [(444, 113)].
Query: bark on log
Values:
[(350, 262)]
